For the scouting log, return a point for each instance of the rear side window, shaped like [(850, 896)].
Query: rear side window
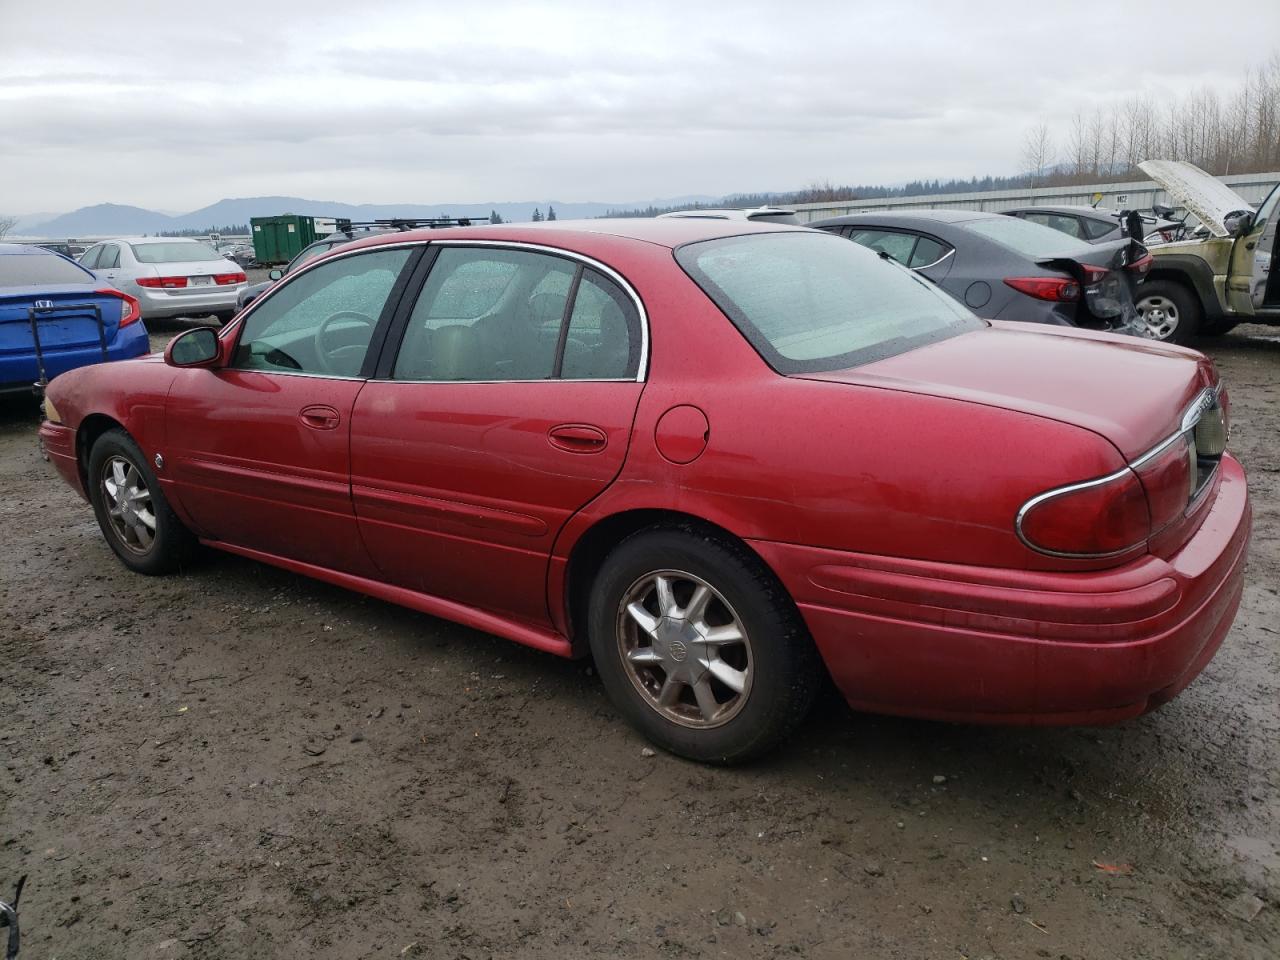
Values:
[(896, 245), (110, 256), (1031, 240), (173, 252), (29, 269), (1099, 228), (89, 258), (809, 302), (928, 251), (489, 314)]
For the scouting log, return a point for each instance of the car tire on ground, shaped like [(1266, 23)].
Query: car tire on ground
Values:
[(1170, 310), (699, 645), (136, 519), (224, 316)]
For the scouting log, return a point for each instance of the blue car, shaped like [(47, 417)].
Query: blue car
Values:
[(77, 319)]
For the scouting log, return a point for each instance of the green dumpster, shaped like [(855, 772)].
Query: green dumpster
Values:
[(280, 239)]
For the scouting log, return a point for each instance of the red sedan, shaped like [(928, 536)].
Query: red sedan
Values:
[(720, 457)]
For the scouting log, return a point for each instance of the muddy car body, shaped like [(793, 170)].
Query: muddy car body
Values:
[(749, 451), (1206, 285)]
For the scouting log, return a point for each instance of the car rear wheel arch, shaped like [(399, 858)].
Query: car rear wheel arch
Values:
[(590, 550)]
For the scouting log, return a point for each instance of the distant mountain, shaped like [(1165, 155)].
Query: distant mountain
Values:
[(107, 219)]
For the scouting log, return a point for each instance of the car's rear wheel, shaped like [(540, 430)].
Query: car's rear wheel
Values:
[(699, 645), (136, 519), (1169, 311)]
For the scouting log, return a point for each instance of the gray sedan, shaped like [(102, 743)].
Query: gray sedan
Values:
[(1007, 269), (169, 276)]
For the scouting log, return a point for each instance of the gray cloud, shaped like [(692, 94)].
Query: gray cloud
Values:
[(161, 105)]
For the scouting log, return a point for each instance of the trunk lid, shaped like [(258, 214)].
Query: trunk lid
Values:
[(1133, 392), (1107, 297), (69, 321), (1211, 200)]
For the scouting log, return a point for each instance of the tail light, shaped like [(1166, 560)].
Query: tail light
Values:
[(1046, 288), (163, 283), (1097, 518), (130, 311), (225, 279), (1142, 266), (1111, 515)]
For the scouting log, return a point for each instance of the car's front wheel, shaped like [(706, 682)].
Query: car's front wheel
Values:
[(136, 519), (1169, 310), (699, 645)]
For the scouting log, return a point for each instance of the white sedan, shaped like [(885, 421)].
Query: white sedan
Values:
[(169, 276)]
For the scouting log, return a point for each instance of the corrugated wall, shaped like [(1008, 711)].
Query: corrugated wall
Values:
[(1138, 194)]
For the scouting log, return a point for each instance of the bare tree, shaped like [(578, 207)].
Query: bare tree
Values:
[(7, 224), (1037, 153)]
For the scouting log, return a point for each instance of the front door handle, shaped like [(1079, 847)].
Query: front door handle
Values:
[(578, 438), (319, 416)]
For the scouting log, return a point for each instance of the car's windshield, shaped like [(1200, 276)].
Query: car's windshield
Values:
[(1032, 240), (27, 269), (173, 252), (812, 301)]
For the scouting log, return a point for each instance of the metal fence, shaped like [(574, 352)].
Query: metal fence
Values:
[(1135, 195)]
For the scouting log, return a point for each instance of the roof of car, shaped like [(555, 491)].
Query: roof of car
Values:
[(665, 232), (905, 217), (1081, 210), (160, 239)]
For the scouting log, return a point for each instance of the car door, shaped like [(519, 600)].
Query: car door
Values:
[(1253, 286), (258, 449), (503, 404), (108, 264)]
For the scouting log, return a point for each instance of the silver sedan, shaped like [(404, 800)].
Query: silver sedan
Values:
[(169, 276)]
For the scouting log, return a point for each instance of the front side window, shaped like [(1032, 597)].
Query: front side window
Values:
[(323, 321), (1267, 209), (490, 314), (809, 302)]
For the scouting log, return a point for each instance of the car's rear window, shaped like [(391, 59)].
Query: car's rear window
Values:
[(173, 252), (1032, 240), (29, 269), (809, 301)]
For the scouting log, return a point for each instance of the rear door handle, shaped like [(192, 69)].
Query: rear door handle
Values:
[(578, 438), (320, 417)]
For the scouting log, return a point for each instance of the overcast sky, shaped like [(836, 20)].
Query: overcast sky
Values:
[(174, 105)]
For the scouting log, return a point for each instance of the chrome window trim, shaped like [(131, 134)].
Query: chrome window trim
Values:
[(642, 366), (927, 266), (1205, 400)]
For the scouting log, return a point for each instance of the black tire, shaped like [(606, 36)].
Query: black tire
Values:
[(1159, 294), (171, 545), (1217, 328), (784, 668), (224, 316)]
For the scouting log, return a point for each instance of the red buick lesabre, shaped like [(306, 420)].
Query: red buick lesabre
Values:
[(720, 457)]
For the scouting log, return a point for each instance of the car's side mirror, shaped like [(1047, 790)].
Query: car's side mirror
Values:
[(1238, 222), (276, 274), (195, 348)]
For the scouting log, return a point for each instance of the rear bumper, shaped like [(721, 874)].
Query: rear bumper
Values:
[(1004, 646), (157, 304), (18, 371)]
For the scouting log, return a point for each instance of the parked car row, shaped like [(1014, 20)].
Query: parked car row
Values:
[(723, 457)]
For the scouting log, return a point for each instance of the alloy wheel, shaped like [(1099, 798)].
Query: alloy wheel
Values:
[(128, 502), (684, 648), (1160, 314)]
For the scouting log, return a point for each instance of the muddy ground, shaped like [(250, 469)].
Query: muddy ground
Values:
[(239, 762)]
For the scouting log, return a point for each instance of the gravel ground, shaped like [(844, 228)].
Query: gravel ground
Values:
[(239, 762)]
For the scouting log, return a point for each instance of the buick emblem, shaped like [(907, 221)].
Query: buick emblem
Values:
[(678, 650)]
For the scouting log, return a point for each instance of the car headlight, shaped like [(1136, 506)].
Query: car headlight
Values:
[(51, 412)]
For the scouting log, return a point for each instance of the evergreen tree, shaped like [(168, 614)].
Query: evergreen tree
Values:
[(537, 215), (495, 217), (551, 213)]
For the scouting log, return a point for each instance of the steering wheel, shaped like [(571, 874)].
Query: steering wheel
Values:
[(332, 358)]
